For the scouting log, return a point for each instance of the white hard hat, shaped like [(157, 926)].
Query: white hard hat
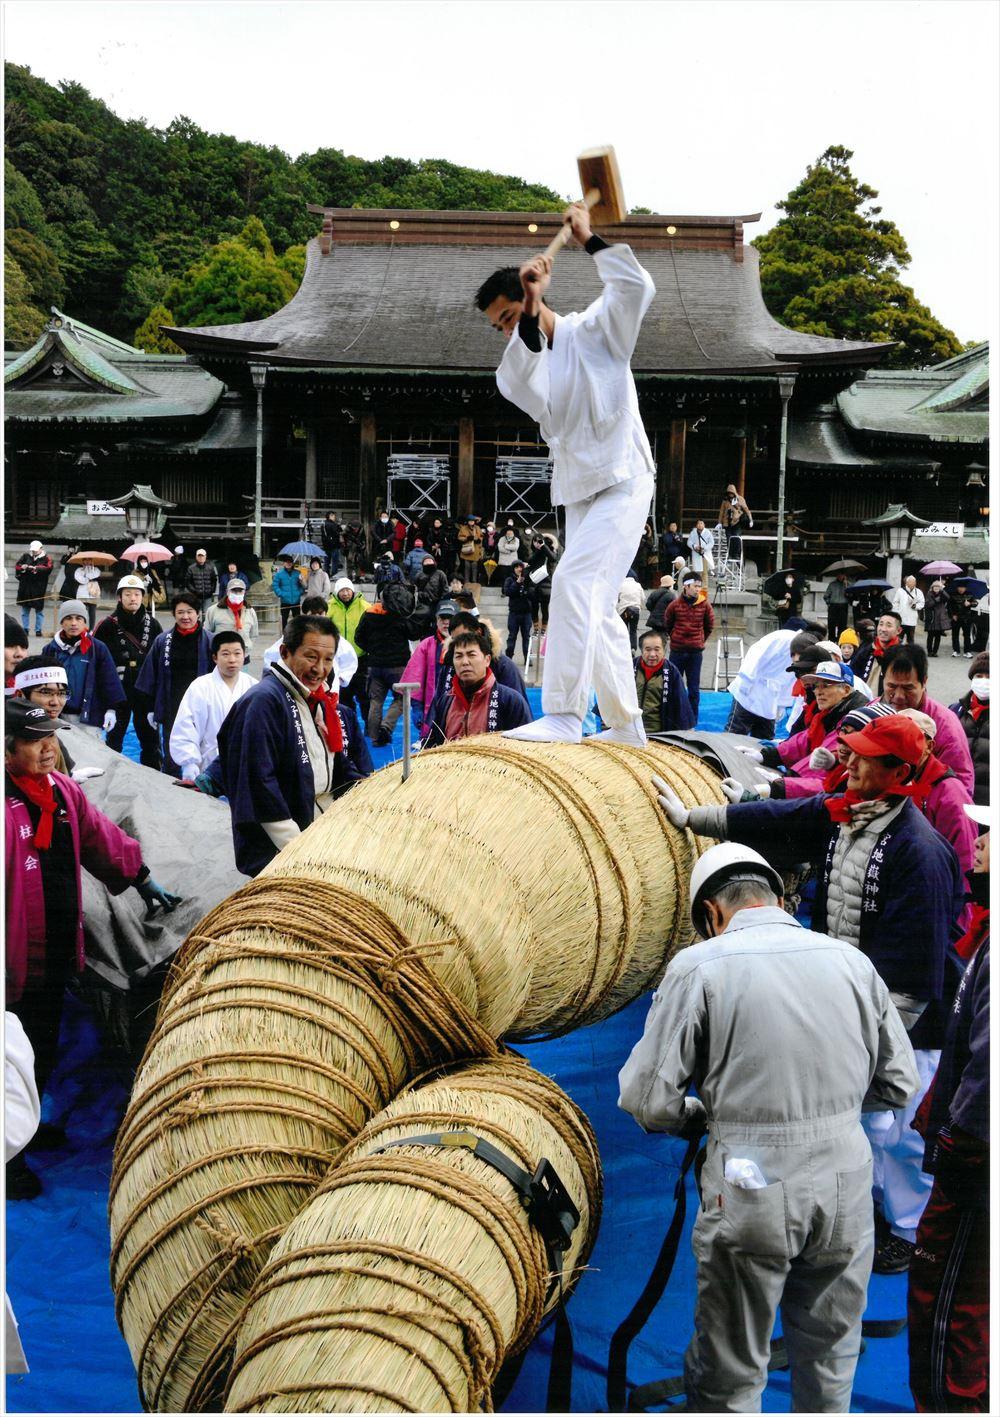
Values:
[(724, 863), (979, 814), (131, 583), (34, 546)]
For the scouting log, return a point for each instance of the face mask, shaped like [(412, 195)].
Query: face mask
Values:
[(236, 596), (789, 581), (981, 689), (383, 520)]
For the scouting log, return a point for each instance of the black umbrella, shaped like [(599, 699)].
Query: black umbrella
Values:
[(975, 589), (775, 586), (871, 584)]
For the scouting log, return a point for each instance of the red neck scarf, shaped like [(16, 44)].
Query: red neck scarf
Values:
[(329, 726), (459, 693), (237, 607), (839, 808), (976, 708), (651, 670), (930, 775), (40, 791), (8, 683), (193, 630), (880, 649), (977, 932), (84, 642), (835, 777)]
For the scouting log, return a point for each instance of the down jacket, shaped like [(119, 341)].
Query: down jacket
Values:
[(977, 732)]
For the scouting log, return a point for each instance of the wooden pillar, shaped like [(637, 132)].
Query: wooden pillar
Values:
[(678, 437), (312, 443), (367, 489), (741, 476), (466, 466)]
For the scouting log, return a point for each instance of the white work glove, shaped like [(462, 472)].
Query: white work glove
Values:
[(821, 759), (695, 1122), (736, 792), (754, 754), (674, 810), (83, 774), (151, 719), (110, 719)]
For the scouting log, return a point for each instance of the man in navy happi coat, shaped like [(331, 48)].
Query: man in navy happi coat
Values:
[(281, 748)]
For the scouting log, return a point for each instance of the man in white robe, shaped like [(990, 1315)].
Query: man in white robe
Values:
[(571, 374), (206, 702)]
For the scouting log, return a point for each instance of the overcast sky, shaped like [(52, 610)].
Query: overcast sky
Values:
[(714, 107)]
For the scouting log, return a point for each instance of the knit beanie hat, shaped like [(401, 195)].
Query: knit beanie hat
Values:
[(860, 718), (72, 607)]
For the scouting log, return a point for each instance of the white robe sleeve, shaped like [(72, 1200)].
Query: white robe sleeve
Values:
[(627, 295), (346, 662), (523, 378), (21, 1105), (186, 734)]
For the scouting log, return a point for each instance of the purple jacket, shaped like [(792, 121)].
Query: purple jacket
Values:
[(422, 669), (98, 844)]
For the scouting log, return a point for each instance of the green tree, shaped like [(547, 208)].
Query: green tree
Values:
[(151, 338), (237, 279), (831, 266), (39, 265), (22, 321), (21, 204)]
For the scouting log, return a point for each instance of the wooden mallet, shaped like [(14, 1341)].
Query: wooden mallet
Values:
[(602, 193)]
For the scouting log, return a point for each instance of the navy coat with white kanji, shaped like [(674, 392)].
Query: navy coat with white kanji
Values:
[(266, 772), (913, 892), (155, 676)]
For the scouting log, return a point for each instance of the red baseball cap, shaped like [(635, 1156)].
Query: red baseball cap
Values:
[(892, 736)]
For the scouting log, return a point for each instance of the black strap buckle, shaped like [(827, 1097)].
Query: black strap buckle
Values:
[(548, 1203)]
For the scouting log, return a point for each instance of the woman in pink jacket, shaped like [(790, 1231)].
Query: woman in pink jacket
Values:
[(941, 795), (422, 668), (52, 831), (833, 687)]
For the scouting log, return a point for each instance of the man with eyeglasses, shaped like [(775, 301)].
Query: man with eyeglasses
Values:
[(44, 685)]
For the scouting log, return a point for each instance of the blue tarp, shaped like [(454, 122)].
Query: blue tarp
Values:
[(57, 1245)]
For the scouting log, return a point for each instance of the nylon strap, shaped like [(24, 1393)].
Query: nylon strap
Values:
[(552, 1212)]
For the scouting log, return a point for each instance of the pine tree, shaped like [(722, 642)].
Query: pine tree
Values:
[(832, 263), (151, 338)]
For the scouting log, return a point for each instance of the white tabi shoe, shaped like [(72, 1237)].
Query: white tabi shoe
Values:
[(632, 736), (550, 728)]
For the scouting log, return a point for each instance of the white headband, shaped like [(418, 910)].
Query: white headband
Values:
[(41, 674)]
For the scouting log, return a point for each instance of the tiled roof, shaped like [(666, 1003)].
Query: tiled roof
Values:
[(411, 306), (817, 439), (108, 381), (948, 403)]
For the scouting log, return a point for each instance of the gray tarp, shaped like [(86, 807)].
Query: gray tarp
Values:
[(722, 750), (187, 844)]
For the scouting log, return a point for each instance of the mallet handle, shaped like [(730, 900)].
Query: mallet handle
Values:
[(558, 241)]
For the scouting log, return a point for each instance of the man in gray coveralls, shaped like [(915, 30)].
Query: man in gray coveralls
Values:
[(788, 1036)]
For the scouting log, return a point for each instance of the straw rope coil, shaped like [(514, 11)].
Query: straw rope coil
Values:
[(301, 1006), (271, 1050), (411, 1275)]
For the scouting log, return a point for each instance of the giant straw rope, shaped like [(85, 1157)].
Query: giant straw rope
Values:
[(503, 890)]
